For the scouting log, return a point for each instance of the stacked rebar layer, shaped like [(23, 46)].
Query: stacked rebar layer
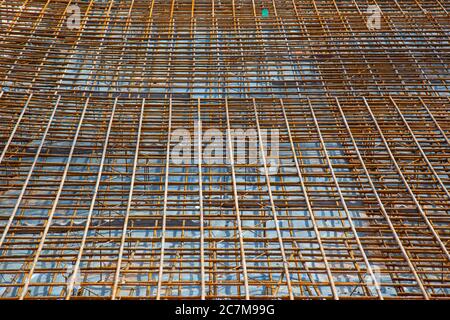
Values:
[(92, 206)]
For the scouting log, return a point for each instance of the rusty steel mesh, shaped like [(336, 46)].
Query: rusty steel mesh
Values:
[(92, 207)]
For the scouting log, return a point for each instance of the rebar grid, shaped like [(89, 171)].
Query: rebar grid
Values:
[(93, 207), (225, 47)]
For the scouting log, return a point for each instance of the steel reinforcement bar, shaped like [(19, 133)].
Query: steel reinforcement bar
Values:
[(355, 203)]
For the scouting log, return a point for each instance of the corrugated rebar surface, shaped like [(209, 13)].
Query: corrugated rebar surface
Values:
[(92, 207)]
